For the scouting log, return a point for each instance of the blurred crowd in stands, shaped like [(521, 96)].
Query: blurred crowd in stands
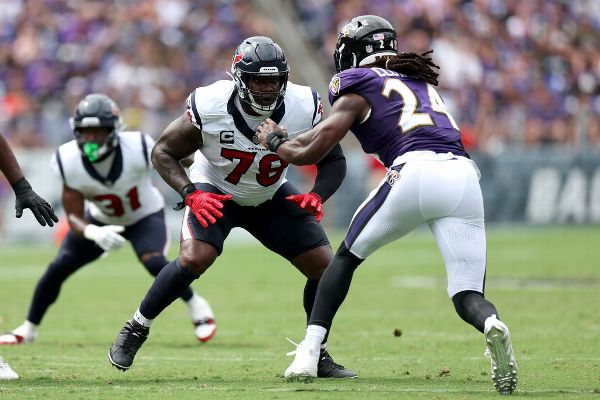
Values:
[(146, 54), (514, 72)]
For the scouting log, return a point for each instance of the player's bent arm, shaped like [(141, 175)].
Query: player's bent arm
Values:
[(312, 146), (107, 236), (73, 204), (188, 161), (179, 140)]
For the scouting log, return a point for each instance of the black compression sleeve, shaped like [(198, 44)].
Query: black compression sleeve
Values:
[(331, 171)]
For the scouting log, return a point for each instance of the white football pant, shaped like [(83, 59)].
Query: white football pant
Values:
[(441, 190)]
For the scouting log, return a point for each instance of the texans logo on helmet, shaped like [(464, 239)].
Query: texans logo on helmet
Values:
[(238, 57)]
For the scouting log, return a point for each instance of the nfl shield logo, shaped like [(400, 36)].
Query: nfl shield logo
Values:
[(369, 48)]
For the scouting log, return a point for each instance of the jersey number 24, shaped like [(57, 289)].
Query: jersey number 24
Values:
[(410, 118)]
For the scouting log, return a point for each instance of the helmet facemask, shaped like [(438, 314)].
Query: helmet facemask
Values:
[(259, 58), (95, 151), (263, 102), (97, 111)]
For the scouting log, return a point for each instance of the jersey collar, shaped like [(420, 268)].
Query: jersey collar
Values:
[(113, 174), (238, 118)]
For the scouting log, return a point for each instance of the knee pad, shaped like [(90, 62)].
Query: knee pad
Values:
[(155, 264)]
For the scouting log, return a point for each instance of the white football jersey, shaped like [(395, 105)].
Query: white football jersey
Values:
[(126, 194), (228, 158)]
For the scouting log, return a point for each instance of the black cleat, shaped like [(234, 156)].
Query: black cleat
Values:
[(127, 344), (327, 368)]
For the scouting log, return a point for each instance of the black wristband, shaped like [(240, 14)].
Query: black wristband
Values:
[(21, 185), (274, 140), (187, 189)]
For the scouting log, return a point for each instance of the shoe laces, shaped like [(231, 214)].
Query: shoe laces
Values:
[(293, 352), (133, 338), (323, 353)]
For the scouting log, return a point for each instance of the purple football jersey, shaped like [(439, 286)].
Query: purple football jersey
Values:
[(406, 114)]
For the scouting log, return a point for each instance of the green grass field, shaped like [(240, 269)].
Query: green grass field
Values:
[(545, 283)]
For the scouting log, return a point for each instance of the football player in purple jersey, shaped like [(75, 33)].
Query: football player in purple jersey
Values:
[(390, 103)]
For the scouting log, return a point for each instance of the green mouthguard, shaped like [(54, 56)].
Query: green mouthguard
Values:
[(91, 151)]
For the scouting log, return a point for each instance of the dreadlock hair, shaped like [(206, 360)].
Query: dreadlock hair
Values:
[(413, 65)]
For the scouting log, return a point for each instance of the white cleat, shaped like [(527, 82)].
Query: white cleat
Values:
[(500, 351), (20, 335), (205, 329), (6, 372), (304, 366), (202, 317)]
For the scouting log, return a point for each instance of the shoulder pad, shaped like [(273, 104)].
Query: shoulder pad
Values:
[(210, 101), (348, 81)]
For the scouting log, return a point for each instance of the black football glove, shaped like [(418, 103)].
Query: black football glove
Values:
[(27, 198)]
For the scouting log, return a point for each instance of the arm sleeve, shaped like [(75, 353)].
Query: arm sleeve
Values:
[(331, 171)]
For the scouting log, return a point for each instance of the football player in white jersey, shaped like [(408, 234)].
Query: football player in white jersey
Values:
[(109, 169), (25, 198), (235, 182)]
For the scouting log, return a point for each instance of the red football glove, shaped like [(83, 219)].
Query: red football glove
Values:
[(310, 202), (206, 205)]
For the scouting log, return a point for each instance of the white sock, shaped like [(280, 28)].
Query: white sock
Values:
[(199, 309), (140, 319), (26, 329), (314, 337), (490, 321)]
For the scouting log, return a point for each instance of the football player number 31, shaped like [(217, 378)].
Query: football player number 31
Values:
[(270, 166), (113, 205), (410, 118)]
